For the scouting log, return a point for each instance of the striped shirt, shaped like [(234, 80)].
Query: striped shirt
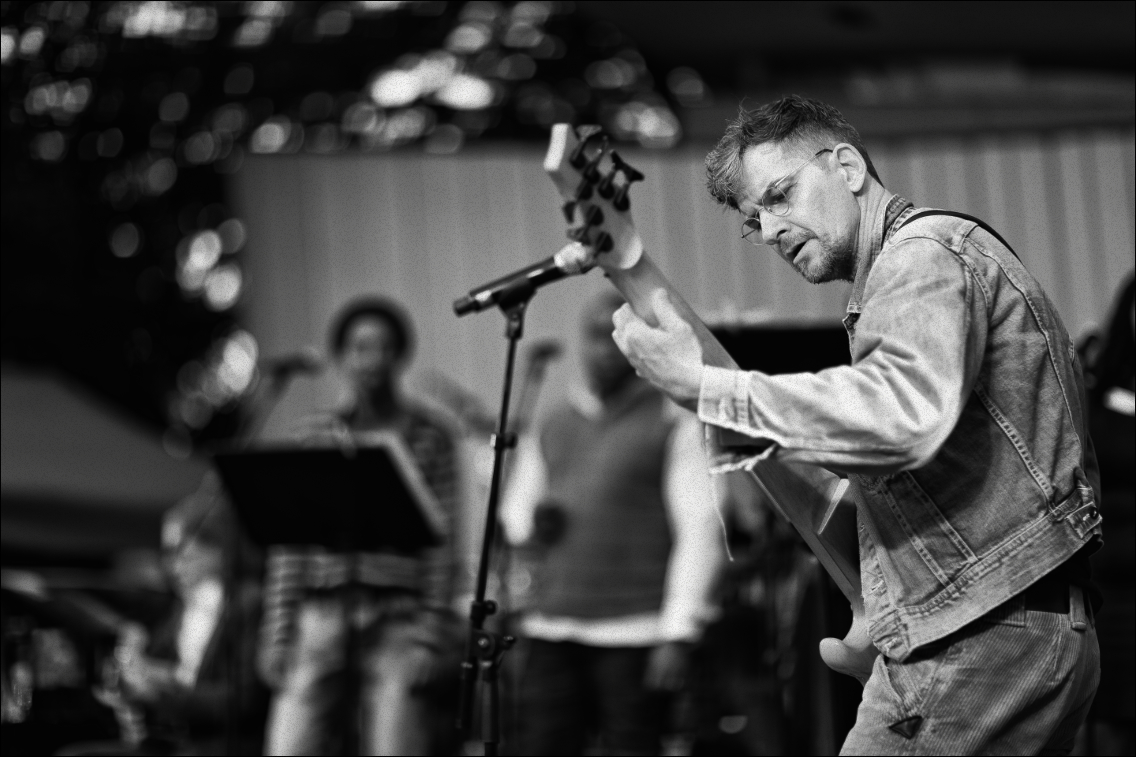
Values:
[(292, 571)]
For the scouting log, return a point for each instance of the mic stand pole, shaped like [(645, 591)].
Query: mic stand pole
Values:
[(485, 649)]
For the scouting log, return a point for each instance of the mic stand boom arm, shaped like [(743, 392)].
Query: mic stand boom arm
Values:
[(485, 649)]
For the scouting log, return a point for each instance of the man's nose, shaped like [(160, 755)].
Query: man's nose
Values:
[(772, 227)]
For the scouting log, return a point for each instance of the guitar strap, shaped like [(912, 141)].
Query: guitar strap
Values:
[(965, 217)]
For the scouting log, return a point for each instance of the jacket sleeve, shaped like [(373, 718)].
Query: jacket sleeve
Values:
[(918, 347)]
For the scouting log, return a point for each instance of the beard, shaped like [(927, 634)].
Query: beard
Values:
[(836, 262)]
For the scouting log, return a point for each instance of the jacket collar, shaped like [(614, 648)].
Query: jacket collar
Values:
[(881, 223)]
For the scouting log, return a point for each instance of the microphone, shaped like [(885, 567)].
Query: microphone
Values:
[(572, 259), (307, 361)]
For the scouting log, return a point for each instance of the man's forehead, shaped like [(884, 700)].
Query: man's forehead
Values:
[(761, 166)]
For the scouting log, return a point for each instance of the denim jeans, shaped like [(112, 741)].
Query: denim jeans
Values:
[(1016, 681), (569, 691), (312, 710)]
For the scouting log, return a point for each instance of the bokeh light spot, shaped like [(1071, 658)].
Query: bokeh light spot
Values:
[(233, 235), (466, 92), (613, 73), (687, 86), (174, 107), (50, 146), (254, 32), (223, 288), (394, 89), (7, 43), (160, 176), (434, 70), (333, 23), (205, 250), (469, 38), (271, 136), (361, 118), (31, 41), (239, 80), (200, 148), (516, 67), (126, 240), (230, 119)]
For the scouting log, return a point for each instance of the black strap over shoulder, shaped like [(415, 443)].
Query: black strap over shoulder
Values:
[(965, 217)]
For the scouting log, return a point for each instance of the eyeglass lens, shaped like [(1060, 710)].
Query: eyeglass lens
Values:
[(775, 201)]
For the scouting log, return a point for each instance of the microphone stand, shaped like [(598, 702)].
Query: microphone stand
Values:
[(485, 649)]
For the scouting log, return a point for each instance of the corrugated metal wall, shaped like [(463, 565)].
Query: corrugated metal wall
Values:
[(424, 229)]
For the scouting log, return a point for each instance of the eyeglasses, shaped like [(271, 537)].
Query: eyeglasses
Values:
[(775, 202)]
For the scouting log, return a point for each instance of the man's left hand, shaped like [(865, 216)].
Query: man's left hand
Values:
[(669, 356)]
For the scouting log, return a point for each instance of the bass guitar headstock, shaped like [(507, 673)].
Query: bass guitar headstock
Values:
[(595, 183)]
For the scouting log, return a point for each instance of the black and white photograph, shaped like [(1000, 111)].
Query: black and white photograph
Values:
[(547, 377)]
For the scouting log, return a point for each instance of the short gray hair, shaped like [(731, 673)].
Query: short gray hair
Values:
[(795, 119)]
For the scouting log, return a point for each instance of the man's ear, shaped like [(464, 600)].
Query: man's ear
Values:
[(852, 165)]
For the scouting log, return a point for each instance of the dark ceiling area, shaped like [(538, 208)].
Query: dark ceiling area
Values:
[(895, 69), (724, 40)]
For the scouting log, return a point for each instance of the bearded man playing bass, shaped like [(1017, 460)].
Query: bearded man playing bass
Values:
[(960, 422)]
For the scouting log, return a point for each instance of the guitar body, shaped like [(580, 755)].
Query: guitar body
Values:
[(818, 503)]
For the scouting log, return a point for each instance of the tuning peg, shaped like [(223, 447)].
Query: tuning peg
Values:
[(629, 172), (569, 209), (583, 191), (606, 186), (578, 158), (588, 132), (580, 234), (587, 135), (593, 216), (591, 171), (621, 201), (604, 242)]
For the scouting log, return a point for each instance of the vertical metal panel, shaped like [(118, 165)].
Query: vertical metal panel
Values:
[(423, 229)]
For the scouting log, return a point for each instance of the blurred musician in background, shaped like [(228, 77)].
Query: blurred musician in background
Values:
[(1113, 406), (615, 496), (354, 641), (185, 688)]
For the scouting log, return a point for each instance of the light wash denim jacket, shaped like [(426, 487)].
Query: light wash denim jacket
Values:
[(962, 419)]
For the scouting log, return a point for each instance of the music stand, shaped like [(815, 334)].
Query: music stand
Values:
[(346, 498)]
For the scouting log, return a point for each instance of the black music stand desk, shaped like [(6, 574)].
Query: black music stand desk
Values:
[(347, 498)]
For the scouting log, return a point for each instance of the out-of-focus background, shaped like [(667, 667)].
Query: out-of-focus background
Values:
[(191, 190)]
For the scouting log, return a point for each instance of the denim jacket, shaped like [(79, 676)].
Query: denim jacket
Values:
[(962, 420)]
